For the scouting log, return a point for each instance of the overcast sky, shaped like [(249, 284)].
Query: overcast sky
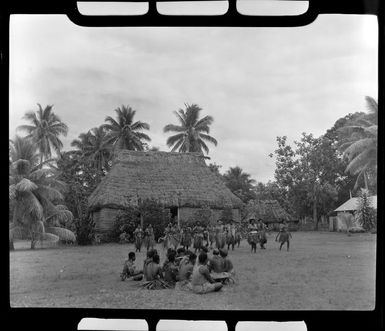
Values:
[(257, 83)]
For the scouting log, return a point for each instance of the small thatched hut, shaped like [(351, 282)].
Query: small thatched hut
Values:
[(181, 182), (270, 211)]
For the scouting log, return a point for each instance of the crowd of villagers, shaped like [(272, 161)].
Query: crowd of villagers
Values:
[(193, 271)]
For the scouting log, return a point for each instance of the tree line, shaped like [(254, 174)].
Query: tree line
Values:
[(49, 188)]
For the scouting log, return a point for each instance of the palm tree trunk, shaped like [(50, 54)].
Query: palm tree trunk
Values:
[(366, 180)]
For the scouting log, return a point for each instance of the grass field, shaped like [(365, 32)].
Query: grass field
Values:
[(322, 270)]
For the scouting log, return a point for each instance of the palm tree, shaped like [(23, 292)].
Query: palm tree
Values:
[(124, 133), (45, 129), (93, 145), (192, 133), (359, 143), (32, 190), (240, 183)]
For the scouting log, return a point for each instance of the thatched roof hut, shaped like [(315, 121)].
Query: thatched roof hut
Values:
[(176, 180), (270, 211)]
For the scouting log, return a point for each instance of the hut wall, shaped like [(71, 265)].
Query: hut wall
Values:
[(104, 219)]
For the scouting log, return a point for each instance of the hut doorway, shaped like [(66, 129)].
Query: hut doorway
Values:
[(174, 214)]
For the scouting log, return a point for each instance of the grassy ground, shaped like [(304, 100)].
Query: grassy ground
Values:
[(321, 271)]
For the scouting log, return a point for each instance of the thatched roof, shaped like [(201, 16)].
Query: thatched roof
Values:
[(173, 179), (269, 211)]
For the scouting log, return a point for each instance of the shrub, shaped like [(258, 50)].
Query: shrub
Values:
[(84, 229), (124, 225), (366, 214)]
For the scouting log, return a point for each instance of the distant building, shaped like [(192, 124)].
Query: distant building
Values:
[(181, 182), (337, 221)]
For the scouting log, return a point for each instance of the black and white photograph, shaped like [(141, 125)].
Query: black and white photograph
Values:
[(193, 168)]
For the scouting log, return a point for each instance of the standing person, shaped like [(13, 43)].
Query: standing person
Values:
[(149, 237), (220, 237), (186, 237), (201, 281), (262, 228), (138, 235), (198, 236), (129, 269), (252, 236), (284, 237)]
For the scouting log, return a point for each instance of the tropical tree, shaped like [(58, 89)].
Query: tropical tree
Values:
[(93, 146), (32, 193), (240, 183), (359, 144), (44, 130), (192, 133), (124, 133)]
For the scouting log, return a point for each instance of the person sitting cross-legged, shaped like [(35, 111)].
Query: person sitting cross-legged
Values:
[(216, 262), (227, 264), (170, 270), (201, 281), (185, 272), (129, 269)]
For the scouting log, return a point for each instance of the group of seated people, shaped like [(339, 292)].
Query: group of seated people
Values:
[(182, 269)]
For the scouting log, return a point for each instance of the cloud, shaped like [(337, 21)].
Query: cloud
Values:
[(257, 83)]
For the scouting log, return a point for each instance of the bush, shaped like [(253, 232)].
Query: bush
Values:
[(124, 225), (367, 216), (84, 229)]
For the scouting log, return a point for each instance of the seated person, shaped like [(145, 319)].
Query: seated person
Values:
[(180, 253), (185, 270), (216, 262), (129, 269), (170, 270), (201, 281), (227, 264), (147, 261), (154, 271)]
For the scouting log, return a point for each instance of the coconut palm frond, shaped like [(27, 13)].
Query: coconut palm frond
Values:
[(25, 185), (358, 147), (62, 233), (372, 130), (48, 192), (173, 128), (38, 227), (359, 162), (21, 166), (62, 216), (38, 174), (61, 207), (50, 237), (16, 232), (12, 191), (371, 104), (209, 139)]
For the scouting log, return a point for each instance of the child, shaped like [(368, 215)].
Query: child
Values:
[(129, 269), (284, 237)]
